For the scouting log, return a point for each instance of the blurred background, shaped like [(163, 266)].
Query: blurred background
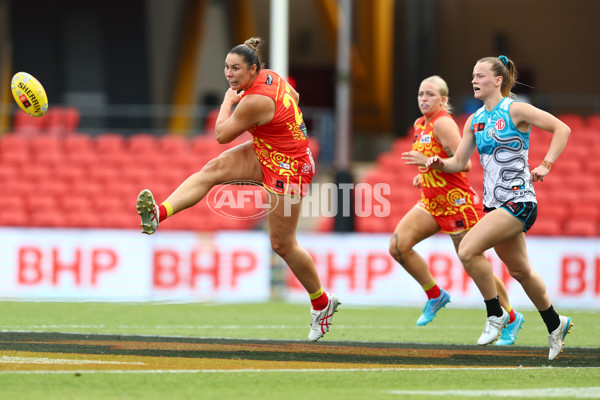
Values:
[(133, 88), (141, 71)]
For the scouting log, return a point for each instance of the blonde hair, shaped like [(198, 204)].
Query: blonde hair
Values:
[(442, 89)]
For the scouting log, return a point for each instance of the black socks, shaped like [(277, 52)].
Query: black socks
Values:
[(551, 319), (493, 307)]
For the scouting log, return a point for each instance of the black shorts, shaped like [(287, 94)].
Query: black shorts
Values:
[(526, 212)]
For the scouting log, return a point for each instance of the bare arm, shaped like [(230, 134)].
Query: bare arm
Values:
[(446, 133), (463, 154), (252, 110), (524, 115)]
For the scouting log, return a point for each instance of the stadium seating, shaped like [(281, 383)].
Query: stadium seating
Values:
[(53, 175), (586, 227), (72, 179)]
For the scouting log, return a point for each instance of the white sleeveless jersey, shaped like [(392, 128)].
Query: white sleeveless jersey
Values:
[(504, 153)]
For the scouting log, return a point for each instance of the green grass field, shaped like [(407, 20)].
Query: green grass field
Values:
[(282, 321)]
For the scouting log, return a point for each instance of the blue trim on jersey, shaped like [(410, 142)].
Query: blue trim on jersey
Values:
[(491, 137)]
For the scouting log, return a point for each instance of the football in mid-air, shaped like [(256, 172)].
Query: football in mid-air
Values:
[(29, 94)]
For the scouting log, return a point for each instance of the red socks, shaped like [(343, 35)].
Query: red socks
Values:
[(512, 315), (162, 213), (319, 300), (432, 290)]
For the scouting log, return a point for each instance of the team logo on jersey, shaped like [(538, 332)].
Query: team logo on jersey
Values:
[(306, 168), (500, 124), (425, 139), (269, 80), (478, 127)]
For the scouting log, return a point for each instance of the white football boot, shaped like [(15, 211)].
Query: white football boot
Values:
[(148, 211)]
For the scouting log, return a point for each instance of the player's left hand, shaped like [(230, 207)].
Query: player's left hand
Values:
[(232, 96), (539, 173)]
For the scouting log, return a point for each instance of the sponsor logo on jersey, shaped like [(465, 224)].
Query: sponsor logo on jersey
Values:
[(500, 124)]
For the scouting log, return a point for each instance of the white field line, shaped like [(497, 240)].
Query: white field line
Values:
[(229, 327), (319, 370), (571, 392), (41, 360)]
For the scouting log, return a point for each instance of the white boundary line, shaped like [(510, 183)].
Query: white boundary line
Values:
[(570, 392), (319, 370), (45, 360)]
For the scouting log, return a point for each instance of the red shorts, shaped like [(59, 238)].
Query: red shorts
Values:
[(465, 218), (283, 174)]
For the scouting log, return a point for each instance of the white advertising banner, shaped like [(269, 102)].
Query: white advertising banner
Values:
[(359, 269), (119, 265)]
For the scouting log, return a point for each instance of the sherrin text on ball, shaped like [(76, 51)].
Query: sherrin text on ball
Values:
[(29, 94)]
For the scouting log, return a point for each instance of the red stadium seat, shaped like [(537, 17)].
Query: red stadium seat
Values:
[(172, 144), (575, 121), (80, 219), (80, 142), (546, 227), (207, 146), (17, 159), (68, 174), (585, 227), (585, 211), (7, 173), (593, 122), (47, 219), (25, 125), (549, 211), (14, 217), (75, 203), (12, 143), (142, 144), (61, 121), (110, 143)]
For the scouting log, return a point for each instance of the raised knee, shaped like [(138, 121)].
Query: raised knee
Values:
[(212, 171), (213, 165)]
